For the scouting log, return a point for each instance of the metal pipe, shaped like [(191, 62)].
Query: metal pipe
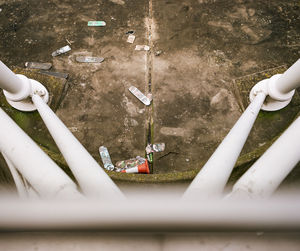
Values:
[(17, 88), (9, 81), (35, 165), (266, 174), (213, 176), (280, 88), (90, 176), (22, 191), (289, 80), (151, 215)]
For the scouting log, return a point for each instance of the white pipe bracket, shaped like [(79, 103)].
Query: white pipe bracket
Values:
[(275, 93), (22, 100), (275, 99)]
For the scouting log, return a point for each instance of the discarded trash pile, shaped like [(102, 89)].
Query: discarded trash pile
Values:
[(137, 164), (134, 165), (81, 59)]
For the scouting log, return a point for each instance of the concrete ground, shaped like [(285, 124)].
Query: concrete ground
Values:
[(149, 241), (197, 50)]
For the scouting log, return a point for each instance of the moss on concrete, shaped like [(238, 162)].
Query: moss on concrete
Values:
[(242, 86), (60, 161), (31, 122), (33, 125), (242, 162)]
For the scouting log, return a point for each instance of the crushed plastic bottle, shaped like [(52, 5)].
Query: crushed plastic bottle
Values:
[(104, 154), (96, 23), (87, 59), (157, 147), (130, 163), (61, 51), (154, 148), (138, 94), (36, 65)]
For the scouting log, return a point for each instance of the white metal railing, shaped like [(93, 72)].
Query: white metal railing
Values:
[(48, 179), (156, 213), (267, 173), (212, 178), (19, 180), (18, 89), (36, 167), (90, 176)]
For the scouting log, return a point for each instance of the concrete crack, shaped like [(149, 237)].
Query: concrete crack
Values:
[(149, 83)]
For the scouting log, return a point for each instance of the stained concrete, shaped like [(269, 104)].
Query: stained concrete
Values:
[(206, 45), (198, 49), (98, 107)]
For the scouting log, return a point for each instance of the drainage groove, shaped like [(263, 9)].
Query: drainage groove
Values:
[(149, 83)]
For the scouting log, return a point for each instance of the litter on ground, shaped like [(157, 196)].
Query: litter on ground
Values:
[(139, 95), (105, 157), (142, 48), (131, 39), (96, 23), (87, 59), (61, 51), (134, 165), (36, 65)]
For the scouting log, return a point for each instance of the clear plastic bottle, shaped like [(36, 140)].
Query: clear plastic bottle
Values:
[(104, 154)]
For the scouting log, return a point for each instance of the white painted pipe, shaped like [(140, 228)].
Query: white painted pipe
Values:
[(151, 214), (289, 80), (266, 174), (25, 191), (213, 177), (280, 88), (92, 179), (22, 191), (16, 88), (9, 81), (35, 165)]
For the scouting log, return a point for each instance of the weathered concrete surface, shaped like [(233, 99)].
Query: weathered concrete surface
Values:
[(207, 44), (98, 108), (197, 49)]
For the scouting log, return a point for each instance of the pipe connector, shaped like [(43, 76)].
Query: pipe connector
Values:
[(22, 99), (275, 100), (21, 94), (276, 94)]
